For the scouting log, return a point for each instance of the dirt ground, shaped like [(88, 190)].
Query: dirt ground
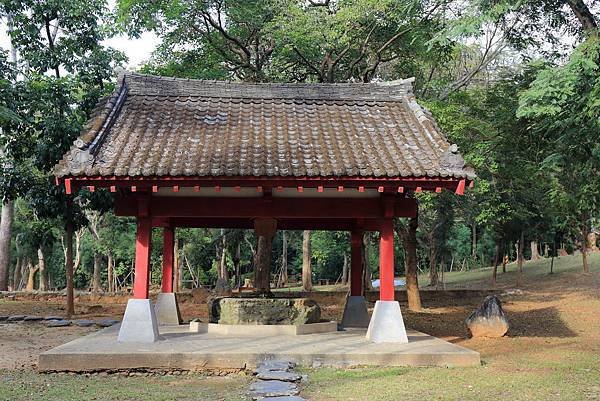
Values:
[(548, 313)]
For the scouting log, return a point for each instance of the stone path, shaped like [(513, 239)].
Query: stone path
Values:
[(58, 321), (276, 381)]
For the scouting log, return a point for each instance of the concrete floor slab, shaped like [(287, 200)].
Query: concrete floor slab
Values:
[(180, 349)]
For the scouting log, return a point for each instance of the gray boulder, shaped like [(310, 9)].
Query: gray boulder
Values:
[(489, 320), (15, 318), (267, 311)]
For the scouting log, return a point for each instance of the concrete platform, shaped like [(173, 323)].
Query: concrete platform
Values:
[(180, 349)]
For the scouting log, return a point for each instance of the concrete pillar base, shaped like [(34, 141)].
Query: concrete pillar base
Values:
[(387, 325), (355, 312), (139, 323), (167, 309)]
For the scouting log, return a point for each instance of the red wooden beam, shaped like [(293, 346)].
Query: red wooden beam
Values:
[(282, 224), (273, 207), (460, 189)]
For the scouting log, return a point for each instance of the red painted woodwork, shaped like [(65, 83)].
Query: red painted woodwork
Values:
[(168, 258), (91, 188), (265, 227), (68, 188), (380, 183), (386, 261), (282, 224), (356, 267), (143, 245), (369, 208)]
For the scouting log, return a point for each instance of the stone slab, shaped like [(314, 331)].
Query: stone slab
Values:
[(263, 329), (278, 375), (283, 398), (355, 312), (273, 388), (177, 348), (387, 325)]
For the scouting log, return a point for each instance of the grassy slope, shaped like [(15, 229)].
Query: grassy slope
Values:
[(31, 386), (552, 351), (533, 271)]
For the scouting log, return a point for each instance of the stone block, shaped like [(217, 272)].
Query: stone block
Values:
[(139, 322), (267, 311), (355, 312), (167, 309), (387, 325)]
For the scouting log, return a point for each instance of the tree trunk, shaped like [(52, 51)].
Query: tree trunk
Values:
[(69, 265), (237, 256), (17, 274), (284, 259), (496, 260), (535, 253), (96, 278), (367, 284), (474, 241), (262, 265), (583, 14), (6, 222), (31, 277), (345, 269), (306, 262), (520, 245), (433, 273), (584, 250), (110, 272), (409, 243), (504, 263), (43, 286), (223, 274)]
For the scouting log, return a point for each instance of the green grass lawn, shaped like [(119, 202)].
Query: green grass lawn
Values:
[(575, 378), (532, 271), (25, 385)]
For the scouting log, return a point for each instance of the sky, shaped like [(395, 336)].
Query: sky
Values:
[(137, 50)]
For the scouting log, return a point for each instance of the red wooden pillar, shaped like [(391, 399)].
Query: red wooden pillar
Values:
[(386, 261), (356, 268), (168, 258), (143, 250)]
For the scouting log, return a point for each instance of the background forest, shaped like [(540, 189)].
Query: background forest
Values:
[(516, 84)]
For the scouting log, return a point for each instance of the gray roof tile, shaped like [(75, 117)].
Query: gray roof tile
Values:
[(157, 126)]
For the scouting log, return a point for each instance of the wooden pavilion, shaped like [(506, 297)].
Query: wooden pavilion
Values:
[(191, 153)]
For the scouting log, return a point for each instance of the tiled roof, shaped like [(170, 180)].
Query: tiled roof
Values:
[(157, 126)]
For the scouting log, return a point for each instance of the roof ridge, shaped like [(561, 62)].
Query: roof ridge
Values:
[(154, 85)]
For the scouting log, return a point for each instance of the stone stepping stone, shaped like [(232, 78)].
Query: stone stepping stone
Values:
[(3, 318), (278, 375), (16, 318), (283, 398), (58, 323), (84, 323), (273, 388), (273, 364), (53, 318), (33, 318), (106, 322)]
